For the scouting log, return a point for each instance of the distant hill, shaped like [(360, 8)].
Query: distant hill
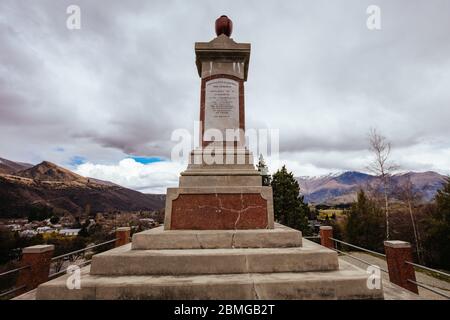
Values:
[(9, 167), (342, 188), (47, 171), (47, 185)]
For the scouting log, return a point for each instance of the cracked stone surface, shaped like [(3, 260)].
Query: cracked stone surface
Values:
[(219, 212)]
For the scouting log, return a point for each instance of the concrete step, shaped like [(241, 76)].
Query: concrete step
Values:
[(347, 283), (158, 238), (124, 261)]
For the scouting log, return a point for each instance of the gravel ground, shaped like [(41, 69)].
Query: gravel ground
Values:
[(441, 285)]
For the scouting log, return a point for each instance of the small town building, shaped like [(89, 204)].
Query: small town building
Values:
[(45, 229), (69, 232)]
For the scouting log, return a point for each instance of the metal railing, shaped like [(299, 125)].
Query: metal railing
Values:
[(430, 288), (53, 275), (420, 284), (428, 268), (11, 291), (65, 270), (82, 250), (424, 285), (311, 237), (14, 270), (360, 248), (359, 259), (417, 283), (75, 252), (353, 246)]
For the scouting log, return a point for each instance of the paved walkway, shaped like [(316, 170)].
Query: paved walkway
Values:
[(391, 289)]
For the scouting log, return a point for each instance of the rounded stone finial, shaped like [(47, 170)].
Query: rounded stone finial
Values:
[(224, 25)]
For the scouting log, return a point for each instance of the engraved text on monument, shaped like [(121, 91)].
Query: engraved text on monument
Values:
[(222, 105)]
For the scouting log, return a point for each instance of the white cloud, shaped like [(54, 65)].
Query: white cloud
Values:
[(148, 178)]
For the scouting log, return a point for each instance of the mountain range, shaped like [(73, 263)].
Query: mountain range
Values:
[(342, 188), (24, 187), (9, 167)]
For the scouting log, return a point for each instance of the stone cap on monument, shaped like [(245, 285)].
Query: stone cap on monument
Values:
[(397, 244), (222, 55)]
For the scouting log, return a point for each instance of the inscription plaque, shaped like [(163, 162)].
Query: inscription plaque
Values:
[(221, 107)]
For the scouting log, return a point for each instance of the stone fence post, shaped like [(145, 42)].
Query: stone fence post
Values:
[(38, 258), (122, 236), (326, 232), (397, 252)]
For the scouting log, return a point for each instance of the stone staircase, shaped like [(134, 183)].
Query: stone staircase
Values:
[(219, 264)]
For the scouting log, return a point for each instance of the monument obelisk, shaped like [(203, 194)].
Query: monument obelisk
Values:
[(221, 189)]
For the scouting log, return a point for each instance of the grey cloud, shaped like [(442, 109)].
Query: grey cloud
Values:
[(127, 79)]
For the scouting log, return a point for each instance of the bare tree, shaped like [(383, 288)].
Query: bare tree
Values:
[(382, 167), (410, 197)]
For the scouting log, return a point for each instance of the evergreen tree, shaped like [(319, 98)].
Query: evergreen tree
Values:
[(264, 171), (39, 213), (366, 224), (437, 242), (289, 208), (54, 219)]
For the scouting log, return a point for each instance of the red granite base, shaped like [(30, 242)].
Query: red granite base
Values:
[(227, 211)]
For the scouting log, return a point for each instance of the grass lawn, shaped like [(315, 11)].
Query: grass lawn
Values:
[(329, 212)]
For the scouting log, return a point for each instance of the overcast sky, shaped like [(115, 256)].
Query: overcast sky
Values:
[(104, 100)]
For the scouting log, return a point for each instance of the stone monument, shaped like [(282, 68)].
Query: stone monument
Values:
[(221, 189), (219, 240)]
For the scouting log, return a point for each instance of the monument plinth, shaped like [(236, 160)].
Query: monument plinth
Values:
[(221, 189)]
